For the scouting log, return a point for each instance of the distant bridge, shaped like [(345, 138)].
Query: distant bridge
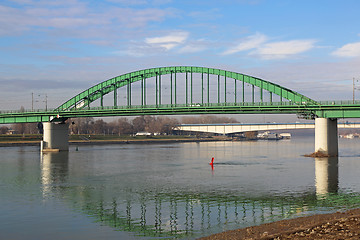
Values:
[(229, 128)]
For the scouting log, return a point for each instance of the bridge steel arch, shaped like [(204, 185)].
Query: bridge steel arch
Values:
[(98, 91)]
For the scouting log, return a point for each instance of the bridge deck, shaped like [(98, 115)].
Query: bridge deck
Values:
[(306, 111)]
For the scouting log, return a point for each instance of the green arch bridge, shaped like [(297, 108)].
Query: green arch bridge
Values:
[(187, 90)]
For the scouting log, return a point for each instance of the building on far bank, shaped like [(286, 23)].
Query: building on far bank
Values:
[(11, 132)]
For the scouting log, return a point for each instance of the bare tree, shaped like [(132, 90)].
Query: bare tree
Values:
[(139, 124), (208, 119), (4, 130), (99, 127), (19, 128), (152, 125), (25, 128), (31, 128), (82, 125), (125, 127), (112, 127), (167, 124)]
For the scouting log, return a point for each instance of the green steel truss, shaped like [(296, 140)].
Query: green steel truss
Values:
[(84, 99), (291, 102)]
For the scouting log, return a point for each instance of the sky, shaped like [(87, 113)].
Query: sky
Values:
[(52, 50)]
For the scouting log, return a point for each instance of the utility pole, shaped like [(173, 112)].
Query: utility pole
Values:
[(45, 102), (32, 101), (354, 88)]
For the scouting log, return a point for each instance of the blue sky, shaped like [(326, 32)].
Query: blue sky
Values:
[(61, 47)]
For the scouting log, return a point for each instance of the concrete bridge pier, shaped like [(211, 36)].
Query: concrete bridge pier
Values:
[(56, 137), (326, 137)]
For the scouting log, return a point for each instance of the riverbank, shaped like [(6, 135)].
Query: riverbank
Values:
[(339, 225), (101, 139)]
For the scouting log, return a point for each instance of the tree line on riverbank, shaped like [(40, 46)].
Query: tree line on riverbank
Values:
[(123, 125)]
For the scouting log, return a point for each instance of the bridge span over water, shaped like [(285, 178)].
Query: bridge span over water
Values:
[(230, 128), (182, 90)]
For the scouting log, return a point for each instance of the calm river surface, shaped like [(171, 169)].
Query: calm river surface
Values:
[(147, 191)]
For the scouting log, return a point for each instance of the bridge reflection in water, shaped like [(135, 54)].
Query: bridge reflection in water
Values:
[(326, 175), (183, 214), (54, 172)]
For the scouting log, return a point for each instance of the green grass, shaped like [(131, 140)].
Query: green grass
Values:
[(20, 137)]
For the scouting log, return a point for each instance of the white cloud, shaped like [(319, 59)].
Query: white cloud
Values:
[(248, 43), (259, 45), (284, 49), (206, 14), (348, 50), (192, 48), (140, 2), (134, 18), (173, 43), (198, 45), (129, 2), (168, 42), (69, 15)]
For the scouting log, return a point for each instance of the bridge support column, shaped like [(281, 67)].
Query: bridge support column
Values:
[(326, 137), (56, 137)]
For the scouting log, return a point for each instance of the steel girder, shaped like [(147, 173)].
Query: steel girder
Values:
[(93, 93)]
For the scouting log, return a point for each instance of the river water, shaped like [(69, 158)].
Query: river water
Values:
[(147, 191)]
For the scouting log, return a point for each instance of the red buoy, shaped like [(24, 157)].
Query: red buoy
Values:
[(212, 163)]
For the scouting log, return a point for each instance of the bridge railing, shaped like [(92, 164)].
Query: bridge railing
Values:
[(193, 105), (189, 105), (26, 111), (340, 102)]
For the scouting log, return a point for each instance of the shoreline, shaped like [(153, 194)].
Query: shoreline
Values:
[(120, 141), (338, 225)]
